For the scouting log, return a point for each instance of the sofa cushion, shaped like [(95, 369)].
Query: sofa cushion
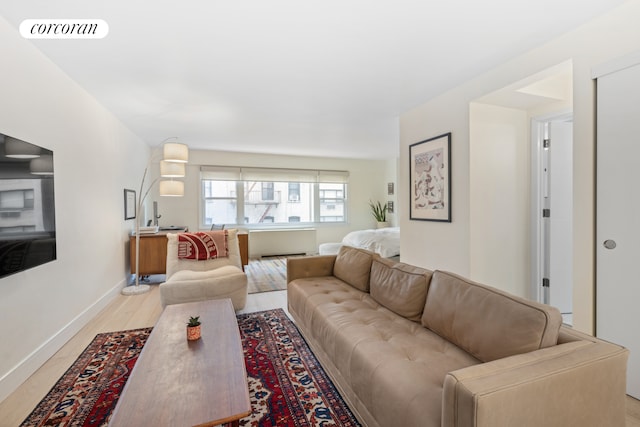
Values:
[(187, 286), (486, 322), (394, 366), (353, 266), (402, 288)]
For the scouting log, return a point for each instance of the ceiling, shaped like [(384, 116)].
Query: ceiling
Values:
[(551, 87), (321, 78)]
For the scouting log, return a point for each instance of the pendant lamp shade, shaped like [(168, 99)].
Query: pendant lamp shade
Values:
[(172, 188), (176, 152), (172, 169), (42, 165), (19, 149)]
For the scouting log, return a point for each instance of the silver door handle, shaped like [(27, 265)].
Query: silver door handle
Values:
[(609, 244)]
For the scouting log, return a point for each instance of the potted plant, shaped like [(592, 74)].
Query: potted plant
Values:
[(379, 212), (193, 328)]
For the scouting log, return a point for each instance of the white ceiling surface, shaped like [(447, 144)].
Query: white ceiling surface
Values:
[(322, 78)]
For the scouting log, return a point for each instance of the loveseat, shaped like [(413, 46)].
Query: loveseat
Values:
[(410, 347)]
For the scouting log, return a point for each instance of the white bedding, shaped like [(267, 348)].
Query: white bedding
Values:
[(383, 241)]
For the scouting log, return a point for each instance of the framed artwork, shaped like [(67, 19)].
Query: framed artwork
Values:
[(390, 206), (129, 204), (430, 179), (390, 189)]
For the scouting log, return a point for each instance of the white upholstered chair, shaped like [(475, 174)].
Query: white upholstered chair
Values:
[(191, 280)]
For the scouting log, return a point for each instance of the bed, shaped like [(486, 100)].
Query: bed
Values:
[(383, 241)]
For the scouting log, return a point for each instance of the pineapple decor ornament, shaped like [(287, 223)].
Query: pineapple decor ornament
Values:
[(193, 328)]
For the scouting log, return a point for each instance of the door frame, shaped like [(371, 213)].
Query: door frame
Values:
[(539, 132)]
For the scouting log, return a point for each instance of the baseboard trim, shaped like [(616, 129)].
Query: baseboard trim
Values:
[(30, 364)]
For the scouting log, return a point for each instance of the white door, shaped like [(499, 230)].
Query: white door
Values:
[(561, 217), (618, 215), (552, 189)]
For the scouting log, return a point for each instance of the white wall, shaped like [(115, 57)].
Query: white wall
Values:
[(448, 246), (438, 245), (367, 180), (95, 158), (499, 197), (392, 176)]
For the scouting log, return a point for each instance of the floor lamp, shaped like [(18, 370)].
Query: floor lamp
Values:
[(173, 165)]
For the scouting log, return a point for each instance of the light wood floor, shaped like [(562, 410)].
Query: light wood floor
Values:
[(130, 313)]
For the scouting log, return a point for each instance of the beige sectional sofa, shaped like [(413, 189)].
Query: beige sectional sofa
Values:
[(410, 347)]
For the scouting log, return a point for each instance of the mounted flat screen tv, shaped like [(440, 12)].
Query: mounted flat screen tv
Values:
[(27, 206)]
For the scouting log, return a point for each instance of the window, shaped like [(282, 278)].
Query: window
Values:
[(332, 197), (16, 199), (267, 191), (294, 192), (268, 202), (252, 196), (220, 202), (18, 211), (10, 214)]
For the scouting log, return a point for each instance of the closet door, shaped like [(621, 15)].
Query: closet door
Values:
[(618, 214)]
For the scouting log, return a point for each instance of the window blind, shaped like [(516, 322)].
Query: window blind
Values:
[(228, 173)]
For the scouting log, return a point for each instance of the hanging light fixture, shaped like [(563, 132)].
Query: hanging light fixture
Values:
[(172, 188), (19, 149), (172, 169), (175, 152)]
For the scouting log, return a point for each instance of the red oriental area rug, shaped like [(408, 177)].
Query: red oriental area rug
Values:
[(286, 383)]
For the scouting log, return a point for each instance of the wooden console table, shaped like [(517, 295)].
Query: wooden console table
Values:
[(153, 252)]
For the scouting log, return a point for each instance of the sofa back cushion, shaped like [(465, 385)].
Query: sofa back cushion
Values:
[(353, 266), (402, 288), (486, 322)]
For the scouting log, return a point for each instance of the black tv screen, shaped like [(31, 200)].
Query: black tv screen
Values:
[(27, 206)]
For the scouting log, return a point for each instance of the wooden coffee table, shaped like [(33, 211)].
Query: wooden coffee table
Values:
[(176, 382)]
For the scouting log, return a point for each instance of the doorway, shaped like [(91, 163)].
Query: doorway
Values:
[(507, 129), (552, 212)]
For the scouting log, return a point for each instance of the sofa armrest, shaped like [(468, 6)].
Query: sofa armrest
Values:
[(577, 383), (310, 266)]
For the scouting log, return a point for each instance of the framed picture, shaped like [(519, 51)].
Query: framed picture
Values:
[(129, 204), (430, 179), (390, 206), (390, 189)]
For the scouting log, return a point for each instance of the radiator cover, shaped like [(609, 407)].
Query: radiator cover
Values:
[(289, 241)]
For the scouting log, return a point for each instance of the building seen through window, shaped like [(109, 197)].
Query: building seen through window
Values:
[(246, 202)]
